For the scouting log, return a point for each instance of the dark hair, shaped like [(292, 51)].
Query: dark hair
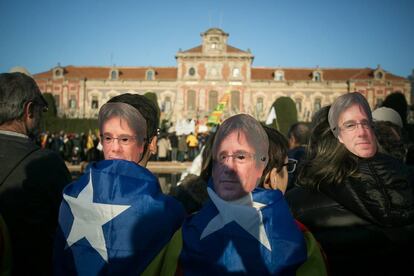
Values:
[(16, 89), (149, 110), (278, 151), (207, 157), (398, 102), (300, 131), (389, 139), (327, 162)]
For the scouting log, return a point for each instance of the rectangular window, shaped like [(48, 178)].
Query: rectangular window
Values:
[(72, 102), (317, 105), (95, 102)]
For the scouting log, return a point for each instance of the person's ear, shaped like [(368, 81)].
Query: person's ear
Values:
[(266, 181), (340, 139), (279, 180), (29, 110), (152, 147)]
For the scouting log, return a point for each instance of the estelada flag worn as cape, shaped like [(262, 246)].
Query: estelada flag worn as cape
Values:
[(113, 221), (223, 238)]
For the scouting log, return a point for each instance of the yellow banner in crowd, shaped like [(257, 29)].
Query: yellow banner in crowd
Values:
[(215, 116)]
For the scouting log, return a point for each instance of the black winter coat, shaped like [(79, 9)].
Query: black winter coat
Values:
[(30, 197), (366, 224)]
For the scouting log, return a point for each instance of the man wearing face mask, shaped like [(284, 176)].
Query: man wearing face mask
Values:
[(115, 220), (31, 180)]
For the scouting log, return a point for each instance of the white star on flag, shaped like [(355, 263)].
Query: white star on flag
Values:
[(249, 217), (89, 218)]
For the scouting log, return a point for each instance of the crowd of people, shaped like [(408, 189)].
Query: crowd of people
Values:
[(334, 197), (77, 148)]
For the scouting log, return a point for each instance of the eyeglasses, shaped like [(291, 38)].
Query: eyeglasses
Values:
[(124, 140), (351, 126), (291, 165), (239, 157)]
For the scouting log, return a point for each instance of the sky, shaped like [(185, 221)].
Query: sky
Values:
[(40, 34)]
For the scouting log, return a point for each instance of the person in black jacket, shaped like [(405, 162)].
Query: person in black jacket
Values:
[(31, 179), (358, 202)]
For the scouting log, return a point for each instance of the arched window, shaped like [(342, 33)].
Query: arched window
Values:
[(72, 102), (167, 104), (212, 100), (379, 75), (279, 76), (298, 102), (150, 75), (317, 104), (58, 73), (235, 101), (114, 75), (94, 102), (191, 100), (259, 105), (235, 72), (317, 76)]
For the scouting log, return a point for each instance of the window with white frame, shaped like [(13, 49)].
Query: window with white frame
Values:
[(298, 102), (317, 76), (72, 102), (167, 104), (279, 76), (114, 75), (150, 75), (317, 104), (94, 102), (235, 72)]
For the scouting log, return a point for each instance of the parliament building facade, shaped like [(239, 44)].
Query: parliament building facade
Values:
[(202, 76)]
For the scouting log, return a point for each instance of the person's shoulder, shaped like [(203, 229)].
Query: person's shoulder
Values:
[(302, 200), (47, 155)]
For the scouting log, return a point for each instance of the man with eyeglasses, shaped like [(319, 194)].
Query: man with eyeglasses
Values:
[(242, 229), (115, 220), (350, 120), (31, 179)]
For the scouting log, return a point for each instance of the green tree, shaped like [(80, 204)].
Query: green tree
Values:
[(152, 96), (286, 114), (52, 110)]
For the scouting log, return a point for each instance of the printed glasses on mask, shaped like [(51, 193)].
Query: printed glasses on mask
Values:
[(352, 125), (241, 157), (124, 140)]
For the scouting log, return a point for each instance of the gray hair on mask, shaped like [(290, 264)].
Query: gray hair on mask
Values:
[(255, 135), (124, 111), (341, 104)]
